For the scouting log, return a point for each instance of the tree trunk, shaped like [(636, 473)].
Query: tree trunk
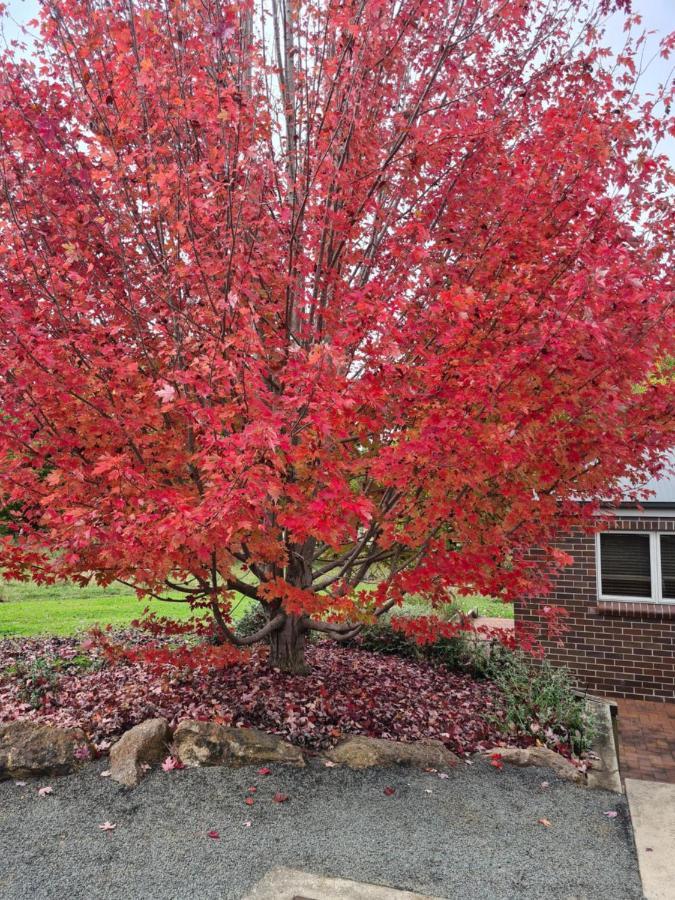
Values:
[(287, 647)]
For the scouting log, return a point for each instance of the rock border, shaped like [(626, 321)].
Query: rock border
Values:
[(195, 743), (541, 757)]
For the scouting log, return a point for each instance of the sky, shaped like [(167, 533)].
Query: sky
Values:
[(657, 16)]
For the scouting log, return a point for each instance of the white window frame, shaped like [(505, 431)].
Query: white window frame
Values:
[(654, 562)]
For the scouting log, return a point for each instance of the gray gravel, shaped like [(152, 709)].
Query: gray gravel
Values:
[(475, 835)]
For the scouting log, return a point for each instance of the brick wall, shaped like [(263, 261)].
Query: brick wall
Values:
[(614, 648)]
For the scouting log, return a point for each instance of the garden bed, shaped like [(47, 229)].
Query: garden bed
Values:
[(349, 691)]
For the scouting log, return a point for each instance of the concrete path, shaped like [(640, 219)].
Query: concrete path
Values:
[(652, 810)]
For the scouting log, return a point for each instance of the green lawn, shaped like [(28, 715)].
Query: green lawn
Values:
[(31, 609), (486, 606)]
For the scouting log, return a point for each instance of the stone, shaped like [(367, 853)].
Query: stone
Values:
[(144, 744), (361, 752), (293, 884), (32, 749), (208, 744), (539, 756)]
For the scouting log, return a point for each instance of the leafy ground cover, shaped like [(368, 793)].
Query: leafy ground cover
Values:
[(349, 691), (28, 609)]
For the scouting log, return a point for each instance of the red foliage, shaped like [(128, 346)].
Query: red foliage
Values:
[(382, 300), (348, 692)]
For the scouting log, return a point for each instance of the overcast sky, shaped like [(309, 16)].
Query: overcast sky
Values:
[(657, 15)]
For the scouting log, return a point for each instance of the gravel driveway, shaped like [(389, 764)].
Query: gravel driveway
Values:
[(473, 835)]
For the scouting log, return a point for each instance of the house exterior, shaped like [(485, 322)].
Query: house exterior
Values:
[(620, 596)]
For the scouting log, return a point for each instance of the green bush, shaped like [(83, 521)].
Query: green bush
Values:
[(464, 653), (539, 699), (461, 653), (382, 638), (252, 620)]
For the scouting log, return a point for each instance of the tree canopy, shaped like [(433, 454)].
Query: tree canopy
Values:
[(296, 291)]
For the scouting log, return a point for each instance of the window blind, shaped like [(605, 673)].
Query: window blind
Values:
[(625, 565), (668, 566)]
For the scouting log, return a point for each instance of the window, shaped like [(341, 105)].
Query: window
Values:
[(636, 566)]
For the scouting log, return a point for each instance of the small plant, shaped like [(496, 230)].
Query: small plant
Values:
[(539, 699), (36, 681), (82, 663)]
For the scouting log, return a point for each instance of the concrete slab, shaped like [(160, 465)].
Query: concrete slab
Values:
[(652, 810), (293, 884)]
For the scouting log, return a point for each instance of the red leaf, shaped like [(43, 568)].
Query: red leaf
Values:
[(280, 798), (390, 791)]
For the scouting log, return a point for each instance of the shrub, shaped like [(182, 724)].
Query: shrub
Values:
[(540, 700), (382, 638), (252, 620), (464, 653), (461, 653)]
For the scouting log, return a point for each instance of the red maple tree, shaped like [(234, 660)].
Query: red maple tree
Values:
[(293, 294)]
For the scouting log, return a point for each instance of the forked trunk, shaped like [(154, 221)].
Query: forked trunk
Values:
[(287, 647)]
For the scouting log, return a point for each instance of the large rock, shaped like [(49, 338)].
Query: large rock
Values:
[(207, 744), (360, 752), (31, 749), (539, 756), (144, 744)]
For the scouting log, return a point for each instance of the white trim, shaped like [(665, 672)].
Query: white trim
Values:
[(654, 563)]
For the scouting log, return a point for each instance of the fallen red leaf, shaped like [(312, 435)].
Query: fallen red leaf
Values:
[(389, 791), (214, 834), (280, 798)]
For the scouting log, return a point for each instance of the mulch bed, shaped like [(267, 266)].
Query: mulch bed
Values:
[(349, 691)]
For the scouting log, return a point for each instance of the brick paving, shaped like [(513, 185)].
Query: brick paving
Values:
[(647, 740)]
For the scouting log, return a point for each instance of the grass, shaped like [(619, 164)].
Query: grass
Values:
[(63, 609), (485, 606)]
